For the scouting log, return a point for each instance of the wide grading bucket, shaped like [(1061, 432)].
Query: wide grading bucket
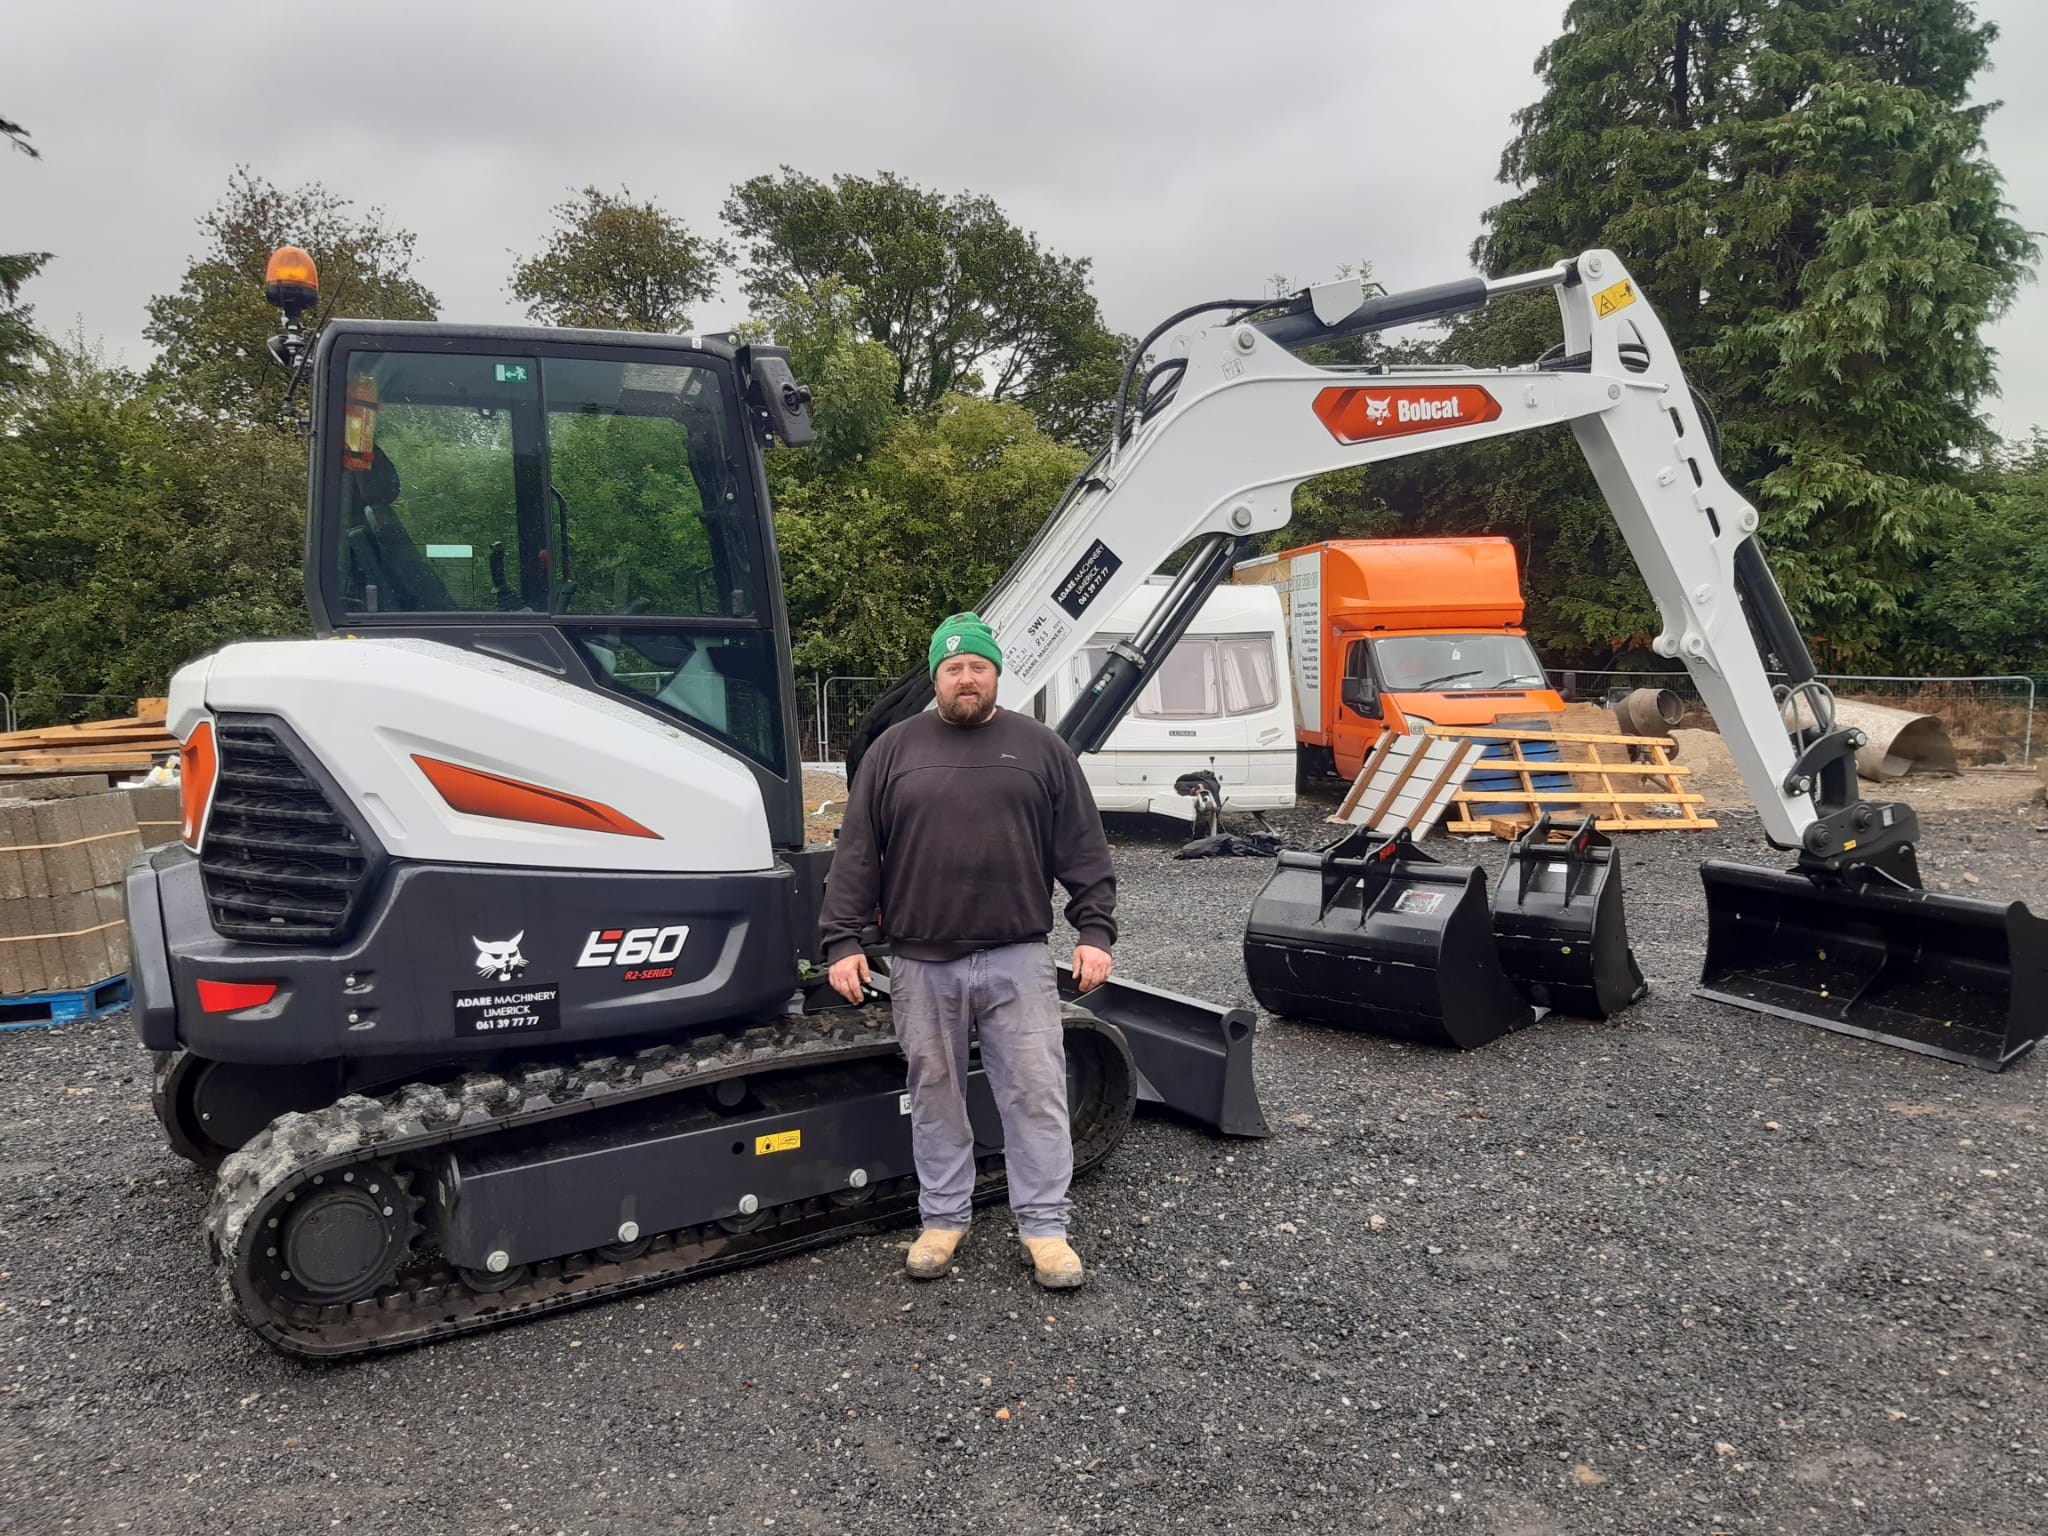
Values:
[(1373, 934), (1947, 976), (1558, 921)]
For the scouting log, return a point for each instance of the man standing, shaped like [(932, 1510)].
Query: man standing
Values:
[(956, 827)]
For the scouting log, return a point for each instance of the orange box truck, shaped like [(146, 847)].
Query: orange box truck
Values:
[(1399, 634)]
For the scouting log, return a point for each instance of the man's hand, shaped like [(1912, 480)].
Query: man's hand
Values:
[(1091, 967), (849, 977)]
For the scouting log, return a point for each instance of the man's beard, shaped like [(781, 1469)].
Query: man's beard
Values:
[(966, 710)]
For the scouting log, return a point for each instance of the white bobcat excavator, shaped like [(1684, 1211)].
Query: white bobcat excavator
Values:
[(480, 967)]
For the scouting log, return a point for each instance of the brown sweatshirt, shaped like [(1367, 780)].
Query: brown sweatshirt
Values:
[(956, 833)]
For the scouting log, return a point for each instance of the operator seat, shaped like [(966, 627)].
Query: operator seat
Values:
[(377, 549)]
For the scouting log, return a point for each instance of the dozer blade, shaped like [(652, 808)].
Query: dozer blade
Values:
[(1373, 934), (1557, 919), (1946, 976), (1193, 1057)]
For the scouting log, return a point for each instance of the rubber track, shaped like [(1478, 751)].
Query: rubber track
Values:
[(427, 1300)]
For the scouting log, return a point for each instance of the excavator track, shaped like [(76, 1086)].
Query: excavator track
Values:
[(368, 1165)]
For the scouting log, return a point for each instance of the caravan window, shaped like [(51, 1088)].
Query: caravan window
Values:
[(1201, 678), (1248, 681)]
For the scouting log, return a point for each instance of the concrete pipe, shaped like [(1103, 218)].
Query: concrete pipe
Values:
[(1901, 742), (1649, 712)]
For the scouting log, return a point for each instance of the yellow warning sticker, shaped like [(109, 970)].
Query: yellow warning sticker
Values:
[(781, 1141), (1608, 300)]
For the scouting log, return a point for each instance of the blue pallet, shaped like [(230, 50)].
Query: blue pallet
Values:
[(46, 1010), (1483, 780)]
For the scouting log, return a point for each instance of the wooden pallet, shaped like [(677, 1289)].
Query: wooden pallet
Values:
[(1648, 765), (94, 746)]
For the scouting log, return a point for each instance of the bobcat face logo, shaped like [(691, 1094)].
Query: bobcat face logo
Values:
[(499, 959), (1378, 410)]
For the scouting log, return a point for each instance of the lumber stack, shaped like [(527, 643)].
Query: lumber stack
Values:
[(129, 744)]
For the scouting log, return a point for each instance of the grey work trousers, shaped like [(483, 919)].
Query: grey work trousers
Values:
[(1010, 995)]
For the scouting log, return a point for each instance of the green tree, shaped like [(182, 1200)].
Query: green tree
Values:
[(212, 331), (1801, 188), (1984, 604), (876, 554), (965, 300), (19, 340), (136, 534), (616, 264)]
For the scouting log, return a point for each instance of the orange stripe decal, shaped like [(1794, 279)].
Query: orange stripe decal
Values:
[(476, 793)]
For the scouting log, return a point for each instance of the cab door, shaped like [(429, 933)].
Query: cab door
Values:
[(1361, 713)]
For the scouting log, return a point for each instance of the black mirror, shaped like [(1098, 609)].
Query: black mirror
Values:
[(1362, 696), (784, 404)]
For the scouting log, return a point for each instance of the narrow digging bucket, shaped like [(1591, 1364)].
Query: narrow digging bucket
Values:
[(1947, 976), (1558, 921), (1373, 934)]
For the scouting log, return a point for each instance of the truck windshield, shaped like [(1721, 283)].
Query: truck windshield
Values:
[(1456, 663)]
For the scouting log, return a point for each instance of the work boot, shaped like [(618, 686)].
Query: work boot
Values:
[(1056, 1266), (932, 1254)]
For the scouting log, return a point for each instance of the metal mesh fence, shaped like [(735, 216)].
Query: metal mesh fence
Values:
[(810, 740), (1989, 719), (843, 700)]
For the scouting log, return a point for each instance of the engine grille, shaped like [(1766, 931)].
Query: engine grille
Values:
[(280, 862)]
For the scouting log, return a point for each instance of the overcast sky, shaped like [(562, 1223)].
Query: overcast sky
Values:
[(1191, 149)]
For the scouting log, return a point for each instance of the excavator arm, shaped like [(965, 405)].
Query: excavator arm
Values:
[(1208, 450), (1216, 455)]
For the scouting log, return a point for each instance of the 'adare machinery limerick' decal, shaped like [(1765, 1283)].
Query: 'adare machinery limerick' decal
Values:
[(1086, 579), (509, 1010), (1356, 414)]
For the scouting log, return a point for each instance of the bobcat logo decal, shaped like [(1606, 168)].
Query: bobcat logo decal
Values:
[(1377, 410), (499, 959)]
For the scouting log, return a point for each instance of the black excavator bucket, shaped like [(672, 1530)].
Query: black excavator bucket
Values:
[(1372, 933), (1193, 1057), (1947, 976), (1557, 919)]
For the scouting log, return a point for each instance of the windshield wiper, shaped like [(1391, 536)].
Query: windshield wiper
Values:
[(1448, 677)]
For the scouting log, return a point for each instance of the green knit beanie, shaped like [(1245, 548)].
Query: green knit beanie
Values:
[(964, 632)]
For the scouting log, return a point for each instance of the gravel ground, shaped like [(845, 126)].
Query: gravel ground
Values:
[(1688, 1271)]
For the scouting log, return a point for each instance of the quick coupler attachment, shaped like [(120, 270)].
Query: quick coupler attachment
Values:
[(1947, 976), (1371, 933), (1558, 921)]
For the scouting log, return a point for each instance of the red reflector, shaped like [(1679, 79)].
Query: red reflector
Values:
[(227, 996)]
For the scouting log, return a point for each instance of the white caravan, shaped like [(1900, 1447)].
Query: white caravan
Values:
[(1218, 703)]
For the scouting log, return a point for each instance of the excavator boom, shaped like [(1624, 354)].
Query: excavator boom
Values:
[(1211, 447)]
